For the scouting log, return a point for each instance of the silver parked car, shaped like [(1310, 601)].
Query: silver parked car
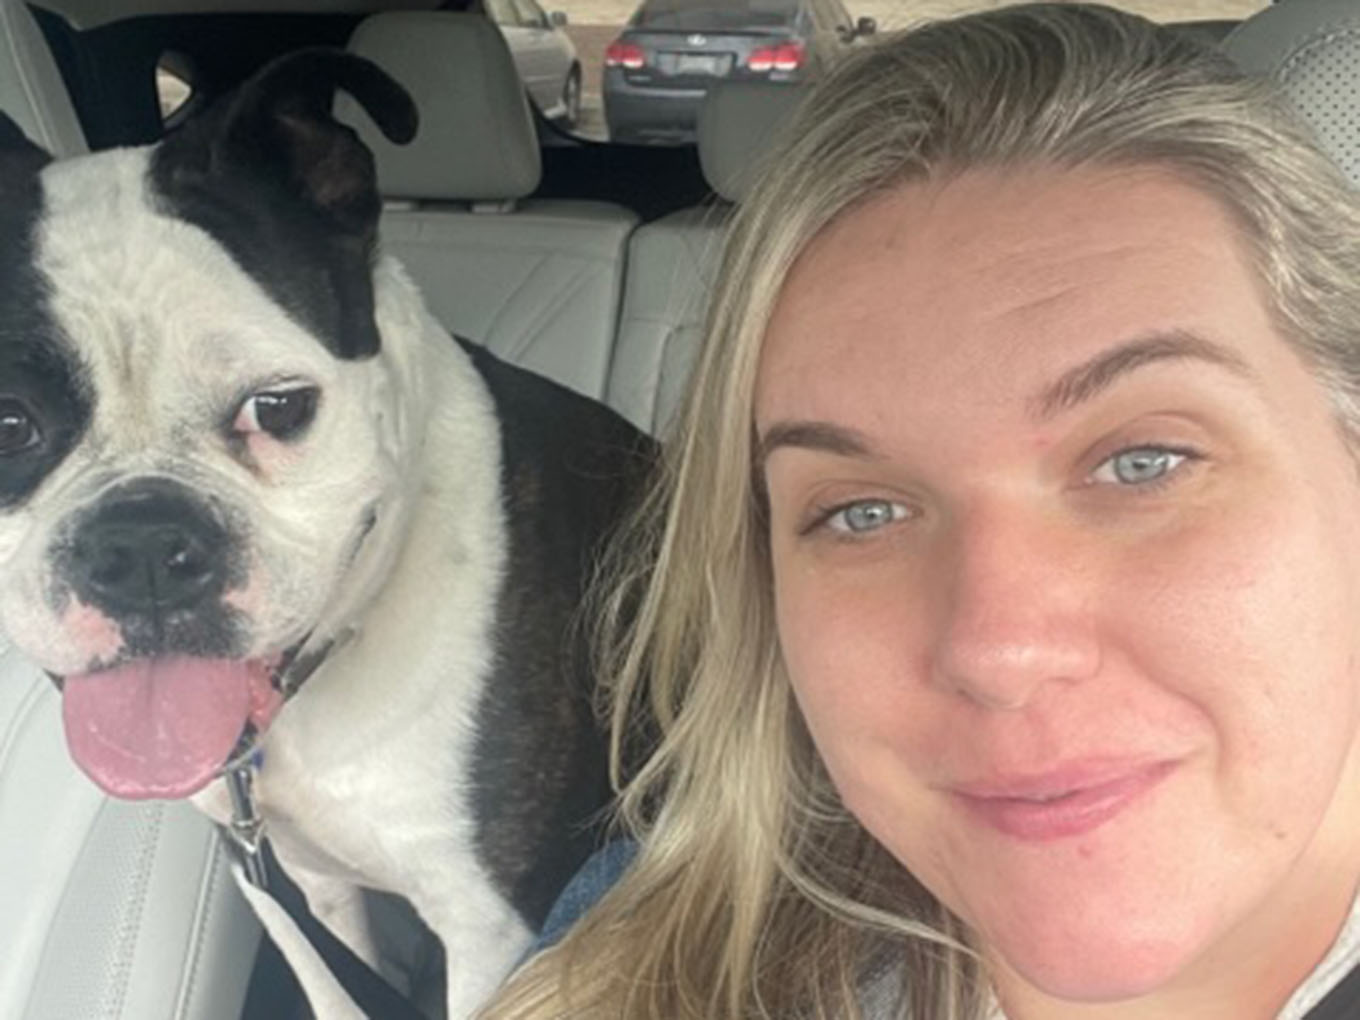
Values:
[(544, 54)]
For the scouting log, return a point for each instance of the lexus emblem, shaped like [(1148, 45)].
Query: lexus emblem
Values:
[(697, 40)]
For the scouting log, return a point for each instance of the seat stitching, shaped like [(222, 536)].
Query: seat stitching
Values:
[(136, 906), (536, 331), (204, 906), (513, 295), (121, 973)]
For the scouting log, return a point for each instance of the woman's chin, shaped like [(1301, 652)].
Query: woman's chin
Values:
[(1109, 965)]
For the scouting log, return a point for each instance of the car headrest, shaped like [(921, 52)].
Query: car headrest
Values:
[(738, 121), (476, 141), (1312, 49), (31, 89)]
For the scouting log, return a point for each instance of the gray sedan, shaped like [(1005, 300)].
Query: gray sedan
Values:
[(544, 54)]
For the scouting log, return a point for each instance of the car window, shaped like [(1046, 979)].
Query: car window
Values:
[(715, 14), (176, 87), (502, 12), (834, 12), (823, 16), (529, 12), (641, 82)]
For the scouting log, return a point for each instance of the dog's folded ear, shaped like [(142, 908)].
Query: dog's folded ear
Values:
[(282, 116), (18, 156), (279, 122), (272, 174)]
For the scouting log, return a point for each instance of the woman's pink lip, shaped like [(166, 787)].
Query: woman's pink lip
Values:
[(1066, 802)]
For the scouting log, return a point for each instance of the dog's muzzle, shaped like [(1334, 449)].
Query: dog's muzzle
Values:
[(151, 550), (175, 702)]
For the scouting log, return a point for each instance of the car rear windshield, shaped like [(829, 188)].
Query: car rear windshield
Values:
[(690, 15)]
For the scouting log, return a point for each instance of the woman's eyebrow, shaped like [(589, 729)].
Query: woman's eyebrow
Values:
[(1088, 379), (813, 435), (1073, 387)]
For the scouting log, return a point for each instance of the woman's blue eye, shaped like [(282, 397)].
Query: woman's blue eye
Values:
[(865, 515), (1139, 465)]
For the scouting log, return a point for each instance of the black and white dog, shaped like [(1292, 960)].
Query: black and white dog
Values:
[(239, 460)]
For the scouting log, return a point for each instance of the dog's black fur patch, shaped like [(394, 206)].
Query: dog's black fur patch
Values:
[(289, 191), (39, 376), (569, 467)]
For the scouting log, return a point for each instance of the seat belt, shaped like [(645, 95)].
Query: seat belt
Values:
[(370, 992)]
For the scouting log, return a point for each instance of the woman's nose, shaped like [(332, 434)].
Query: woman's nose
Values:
[(1015, 615)]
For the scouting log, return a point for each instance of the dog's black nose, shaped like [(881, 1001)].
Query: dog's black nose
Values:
[(149, 548)]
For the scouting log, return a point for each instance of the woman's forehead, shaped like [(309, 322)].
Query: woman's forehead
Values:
[(991, 283)]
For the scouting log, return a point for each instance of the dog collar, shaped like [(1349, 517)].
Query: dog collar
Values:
[(296, 669)]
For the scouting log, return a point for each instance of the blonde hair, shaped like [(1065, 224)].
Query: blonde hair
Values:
[(755, 894)]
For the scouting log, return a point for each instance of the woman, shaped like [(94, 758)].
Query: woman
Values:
[(1001, 604)]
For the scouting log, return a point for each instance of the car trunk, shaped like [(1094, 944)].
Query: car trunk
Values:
[(694, 59)]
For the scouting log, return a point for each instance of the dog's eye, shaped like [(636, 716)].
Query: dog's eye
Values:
[(18, 431), (281, 413)]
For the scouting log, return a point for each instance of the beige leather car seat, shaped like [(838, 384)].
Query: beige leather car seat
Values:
[(673, 261), (536, 281)]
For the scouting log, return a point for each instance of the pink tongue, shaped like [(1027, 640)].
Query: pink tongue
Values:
[(160, 727)]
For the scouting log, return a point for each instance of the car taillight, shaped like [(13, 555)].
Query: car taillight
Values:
[(784, 57), (622, 54)]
